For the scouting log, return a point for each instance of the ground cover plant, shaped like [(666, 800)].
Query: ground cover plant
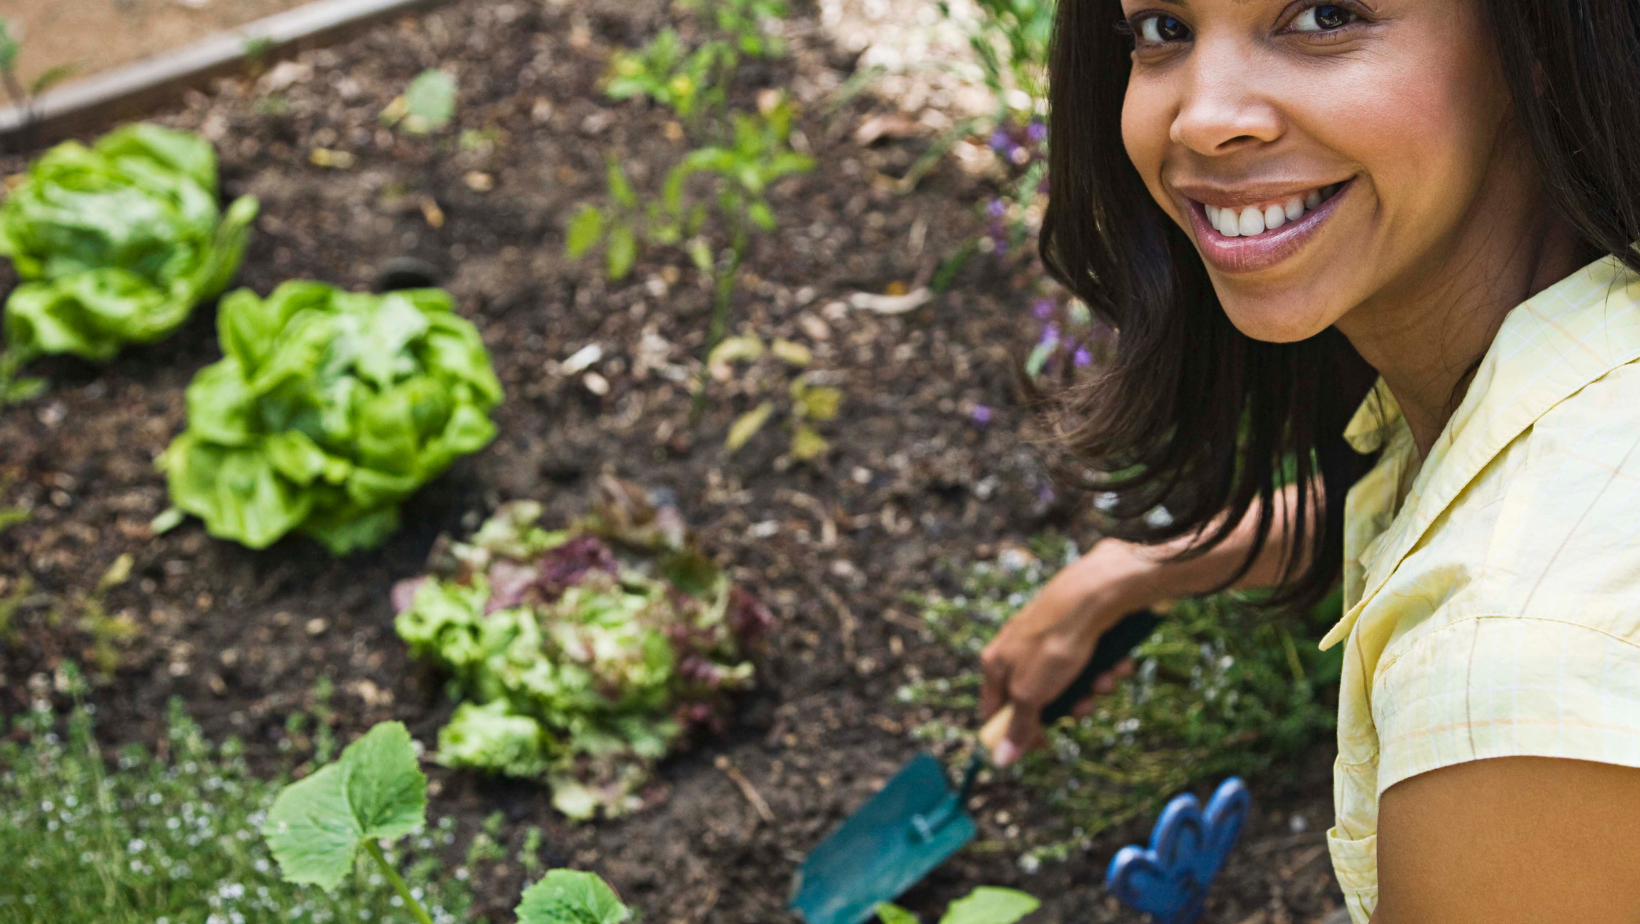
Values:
[(375, 795), (1222, 689), (116, 243), (984, 905), (329, 409), (144, 837), (582, 655)]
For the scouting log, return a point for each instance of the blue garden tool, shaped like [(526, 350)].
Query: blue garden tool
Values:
[(917, 821), (1169, 881)]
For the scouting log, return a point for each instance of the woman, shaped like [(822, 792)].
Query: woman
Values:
[(1381, 249)]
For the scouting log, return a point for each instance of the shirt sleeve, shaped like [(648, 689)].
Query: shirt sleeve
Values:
[(1507, 686)]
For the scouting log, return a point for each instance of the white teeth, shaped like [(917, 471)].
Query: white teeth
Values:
[(1252, 222)]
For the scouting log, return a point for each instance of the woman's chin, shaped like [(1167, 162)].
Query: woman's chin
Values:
[(1273, 321)]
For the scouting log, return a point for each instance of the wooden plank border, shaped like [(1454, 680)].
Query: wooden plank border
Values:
[(131, 91)]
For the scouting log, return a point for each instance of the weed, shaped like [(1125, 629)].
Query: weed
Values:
[(811, 403), (984, 905), (427, 105)]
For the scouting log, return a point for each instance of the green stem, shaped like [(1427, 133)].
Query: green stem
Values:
[(398, 882), (725, 281)]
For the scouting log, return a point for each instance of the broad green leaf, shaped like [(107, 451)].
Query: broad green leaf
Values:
[(620, 189), (807, 443), (375, 791), (570, 897), (429, 102), (584, 230), (761, 215), (894, 914), (311, 829), (168, 519), (622, 251), (747, 426), (990, 905)]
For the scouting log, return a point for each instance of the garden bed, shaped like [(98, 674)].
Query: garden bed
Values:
[(914, 477)]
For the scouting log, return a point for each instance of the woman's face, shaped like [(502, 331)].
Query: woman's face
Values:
[(1322, 156)]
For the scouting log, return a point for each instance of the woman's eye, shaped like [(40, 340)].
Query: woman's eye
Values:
[(1159, 29), (1323, 18)]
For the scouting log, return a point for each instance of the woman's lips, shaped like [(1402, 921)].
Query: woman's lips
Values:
[(1260, 251)]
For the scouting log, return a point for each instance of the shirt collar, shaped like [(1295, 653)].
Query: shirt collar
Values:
[(1548, 348)]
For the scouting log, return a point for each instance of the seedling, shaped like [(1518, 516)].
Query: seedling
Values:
[(669, 74), (740, 175), (426, 106), (376, 794), (984, 905), (11, 47), (741, 23)]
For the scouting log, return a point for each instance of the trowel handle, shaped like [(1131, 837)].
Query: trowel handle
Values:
[(1117, 643)]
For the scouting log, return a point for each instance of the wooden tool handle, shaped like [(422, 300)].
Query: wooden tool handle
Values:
[(1117, 643)]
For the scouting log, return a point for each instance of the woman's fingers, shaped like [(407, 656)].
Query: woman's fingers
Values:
[(1083, 709), (994, 691), (1105, 684), (1125, 667)]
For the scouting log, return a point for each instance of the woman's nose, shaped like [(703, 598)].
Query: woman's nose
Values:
[(1220, 109)]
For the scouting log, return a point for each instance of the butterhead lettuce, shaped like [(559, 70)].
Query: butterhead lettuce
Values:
[(116, 243), (327, 410), (585, 655)]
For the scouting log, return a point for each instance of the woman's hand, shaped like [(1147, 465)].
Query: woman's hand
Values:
[(1047, 643)]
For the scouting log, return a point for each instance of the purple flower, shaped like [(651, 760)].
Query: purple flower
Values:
[(1045, 493), (1082, 357), (1042, 308), (981, 415), (1036, 132), (1050, 334), (997, 208), (1001, 142)]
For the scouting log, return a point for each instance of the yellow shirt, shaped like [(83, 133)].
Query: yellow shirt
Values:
[(1492, 594)]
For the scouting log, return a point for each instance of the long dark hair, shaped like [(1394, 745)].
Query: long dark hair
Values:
[(1194, 415)]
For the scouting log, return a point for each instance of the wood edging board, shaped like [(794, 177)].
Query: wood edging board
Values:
[(130, 91)]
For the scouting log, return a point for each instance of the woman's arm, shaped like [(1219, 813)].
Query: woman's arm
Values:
[(1511, 840), (1035, 656)]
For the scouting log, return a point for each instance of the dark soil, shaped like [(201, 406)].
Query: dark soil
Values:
[(243, 636)]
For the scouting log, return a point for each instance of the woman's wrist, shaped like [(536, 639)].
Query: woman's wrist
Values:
[(1112, 580)]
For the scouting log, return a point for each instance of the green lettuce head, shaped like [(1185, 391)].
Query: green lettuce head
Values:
[(117, 243), (328, 410)]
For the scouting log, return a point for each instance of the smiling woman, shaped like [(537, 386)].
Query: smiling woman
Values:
[(1276, 203)]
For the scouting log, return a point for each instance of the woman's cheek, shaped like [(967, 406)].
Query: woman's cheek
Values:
[(1145, 135)]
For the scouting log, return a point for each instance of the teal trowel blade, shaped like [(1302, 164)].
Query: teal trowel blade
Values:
[(913, 825)]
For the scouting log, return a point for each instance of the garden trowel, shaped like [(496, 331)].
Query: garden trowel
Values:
[(918, 820)]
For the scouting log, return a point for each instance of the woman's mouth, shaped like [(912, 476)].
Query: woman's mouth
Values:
[(1256, 236)]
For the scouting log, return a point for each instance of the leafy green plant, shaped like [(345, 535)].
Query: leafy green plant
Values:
[(11, 47), (739, 175), (116, 243), (810, 403), (668, 73), (427, 105), (376, 793), (143, 836), (984, 905), (582, 655), (328, 409), (1221, 689)]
